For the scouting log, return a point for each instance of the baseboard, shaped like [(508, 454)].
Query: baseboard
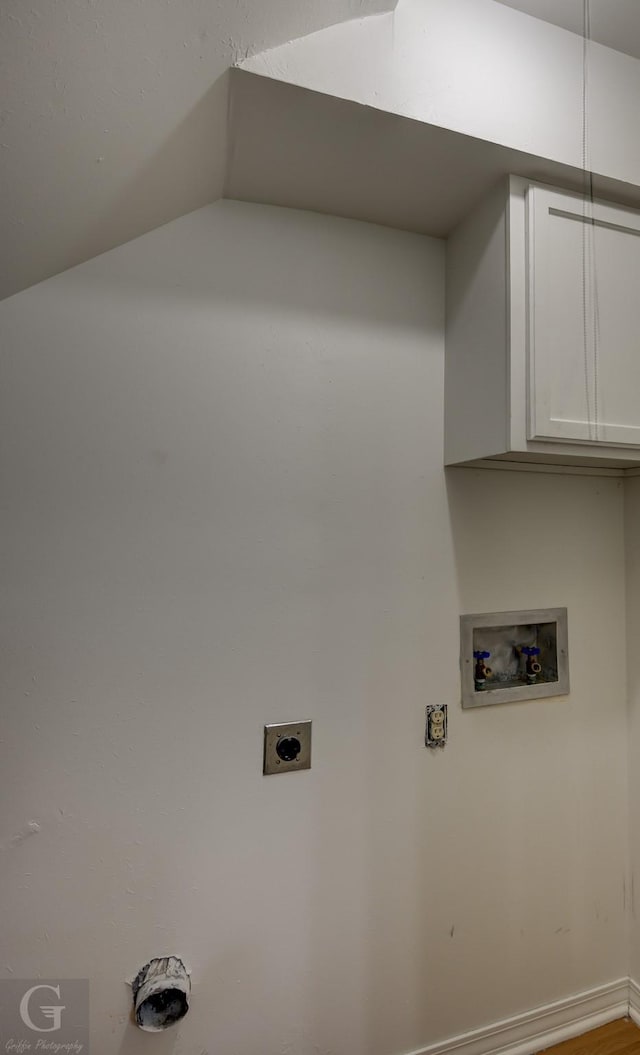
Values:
[(634, 1001), (541, 1028)]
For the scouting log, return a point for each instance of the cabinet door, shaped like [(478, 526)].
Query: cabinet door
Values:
[(583, 319)]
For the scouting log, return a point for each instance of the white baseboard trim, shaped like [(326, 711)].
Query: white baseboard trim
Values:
[(634, 1001), (539, 1029)]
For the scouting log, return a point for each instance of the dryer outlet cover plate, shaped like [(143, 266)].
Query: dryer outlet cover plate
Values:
[(287, 747)]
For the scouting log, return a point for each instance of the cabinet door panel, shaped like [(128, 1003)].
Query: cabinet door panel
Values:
[(584, 320)]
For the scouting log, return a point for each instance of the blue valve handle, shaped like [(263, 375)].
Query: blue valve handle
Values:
[(530, 650), (483, 655)]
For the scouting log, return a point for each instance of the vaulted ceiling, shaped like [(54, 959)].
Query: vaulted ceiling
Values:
[(614, 23), (113, 115)]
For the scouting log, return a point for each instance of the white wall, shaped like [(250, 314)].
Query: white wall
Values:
[(224, 505), (632, 523), (550, 777), (482, 69)]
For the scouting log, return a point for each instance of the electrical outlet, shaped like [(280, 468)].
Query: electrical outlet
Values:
[(287, 747), (436, 730)]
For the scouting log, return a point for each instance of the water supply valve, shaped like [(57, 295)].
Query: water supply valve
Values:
[(533, 666), (482, 671)]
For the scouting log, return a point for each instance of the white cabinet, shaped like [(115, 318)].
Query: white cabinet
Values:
[(543, 331)]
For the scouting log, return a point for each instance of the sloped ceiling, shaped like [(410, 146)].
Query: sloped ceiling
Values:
[(614, 23), (113, 116), (113, 113), (453, 96)]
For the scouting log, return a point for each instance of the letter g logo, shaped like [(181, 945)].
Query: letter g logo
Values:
[(53, 1013)]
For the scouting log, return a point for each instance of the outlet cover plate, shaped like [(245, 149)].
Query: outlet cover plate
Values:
[(437, 722), (285, 734)]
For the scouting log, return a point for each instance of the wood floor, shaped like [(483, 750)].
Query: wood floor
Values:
[(616, 1038)]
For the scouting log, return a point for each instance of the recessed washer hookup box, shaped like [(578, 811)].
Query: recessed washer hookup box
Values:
[(511, 656)]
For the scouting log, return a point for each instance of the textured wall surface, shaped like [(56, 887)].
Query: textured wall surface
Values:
[(632, 535), (113, 115), (223, 504)]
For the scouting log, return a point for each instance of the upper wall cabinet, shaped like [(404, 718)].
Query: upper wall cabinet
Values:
[(543, 331)]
